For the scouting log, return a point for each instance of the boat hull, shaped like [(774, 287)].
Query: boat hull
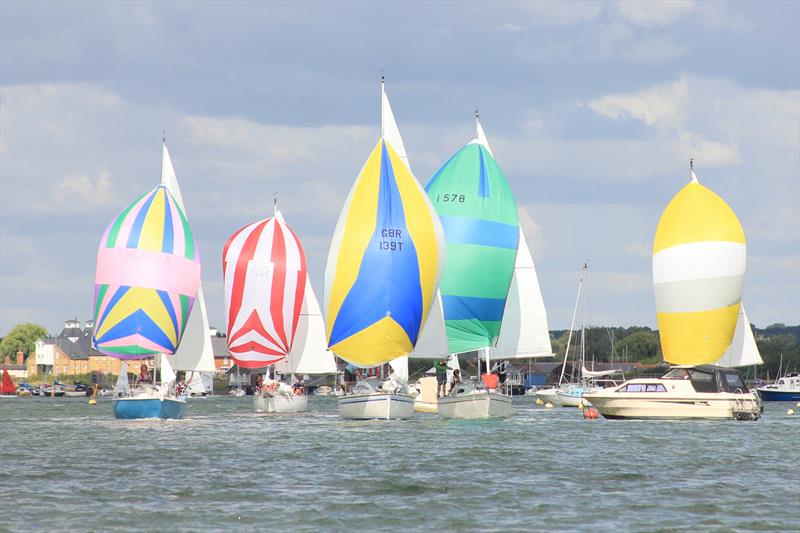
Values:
[(280, 403), (376, 405), (548, 396), (135, 408), (709, 406), (572, 399), (421, 406), (478, 404), (773, 395)]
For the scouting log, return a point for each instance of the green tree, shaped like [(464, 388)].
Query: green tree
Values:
[(22, 337), (642, 345)]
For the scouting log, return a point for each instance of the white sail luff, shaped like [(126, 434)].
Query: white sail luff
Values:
[(309, 353), (524, 332), (743, 350), (194, 352), (480, 136), (389, 130)]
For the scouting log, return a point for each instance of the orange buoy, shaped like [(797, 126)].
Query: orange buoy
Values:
[(591, 413)]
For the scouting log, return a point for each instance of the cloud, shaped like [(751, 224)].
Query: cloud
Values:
[(650, 14), (84, 189), (659, 105)]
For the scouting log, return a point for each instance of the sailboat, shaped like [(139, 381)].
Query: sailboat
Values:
[(489, 297), (382, 273), (148, 275), (699, 257), (195, 355), (7, 387), (264, 268)]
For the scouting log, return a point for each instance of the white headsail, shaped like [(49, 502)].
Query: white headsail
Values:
[(524, 331)]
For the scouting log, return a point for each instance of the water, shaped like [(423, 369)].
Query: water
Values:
[(68, 466)]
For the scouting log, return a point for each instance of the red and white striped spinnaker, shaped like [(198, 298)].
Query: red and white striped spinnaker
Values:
[(264, 268)]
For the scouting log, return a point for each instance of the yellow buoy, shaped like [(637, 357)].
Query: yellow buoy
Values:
[(539, 401), (798, 404), (790, 412), (580, 406), (548, 405), (92, 401)]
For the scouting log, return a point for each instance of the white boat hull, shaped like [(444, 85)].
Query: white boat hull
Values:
[(376, 405), (421, 406), (476, 404), (280, 403), (568, 400), (548, 396), (723, 407)]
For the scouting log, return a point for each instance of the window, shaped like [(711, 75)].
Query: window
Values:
[(634, 387), (644, 387)]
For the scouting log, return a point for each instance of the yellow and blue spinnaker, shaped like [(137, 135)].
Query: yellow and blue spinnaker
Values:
[(384, 265)]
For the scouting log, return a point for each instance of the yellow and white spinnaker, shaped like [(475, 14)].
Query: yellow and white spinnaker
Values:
[(699, 259)]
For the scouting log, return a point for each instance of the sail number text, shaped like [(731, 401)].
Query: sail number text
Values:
[(455, 197), (391, 239)]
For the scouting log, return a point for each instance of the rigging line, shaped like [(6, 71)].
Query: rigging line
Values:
[(603, 317)]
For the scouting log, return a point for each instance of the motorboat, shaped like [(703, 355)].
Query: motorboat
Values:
[(704, 391), (786, 389)]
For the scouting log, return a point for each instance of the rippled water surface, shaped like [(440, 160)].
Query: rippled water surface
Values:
[(67, 466)]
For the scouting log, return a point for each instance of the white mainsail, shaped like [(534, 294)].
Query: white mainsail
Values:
[(309, 353), (389, 129), (524, 331), (194, 353), (743, 350), (432, 339), (167, 374), (480, 136)]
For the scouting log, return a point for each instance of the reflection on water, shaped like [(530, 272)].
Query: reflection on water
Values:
[(69, 466)]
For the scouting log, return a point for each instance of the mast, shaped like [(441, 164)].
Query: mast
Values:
[(583, 337), (572, 324)]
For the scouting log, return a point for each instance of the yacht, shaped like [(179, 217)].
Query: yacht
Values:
[(704, 391)]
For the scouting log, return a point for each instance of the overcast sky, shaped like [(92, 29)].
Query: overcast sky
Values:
[(592, 110)]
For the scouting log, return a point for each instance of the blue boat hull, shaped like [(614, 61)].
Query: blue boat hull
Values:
[(133, 408), (772, 395)]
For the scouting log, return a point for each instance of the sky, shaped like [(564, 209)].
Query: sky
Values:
[(592, 109)]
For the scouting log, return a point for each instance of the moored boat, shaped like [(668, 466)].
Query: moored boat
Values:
[(7, 387), (785, 389)]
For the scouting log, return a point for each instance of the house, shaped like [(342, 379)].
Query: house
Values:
[(70, 353)]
